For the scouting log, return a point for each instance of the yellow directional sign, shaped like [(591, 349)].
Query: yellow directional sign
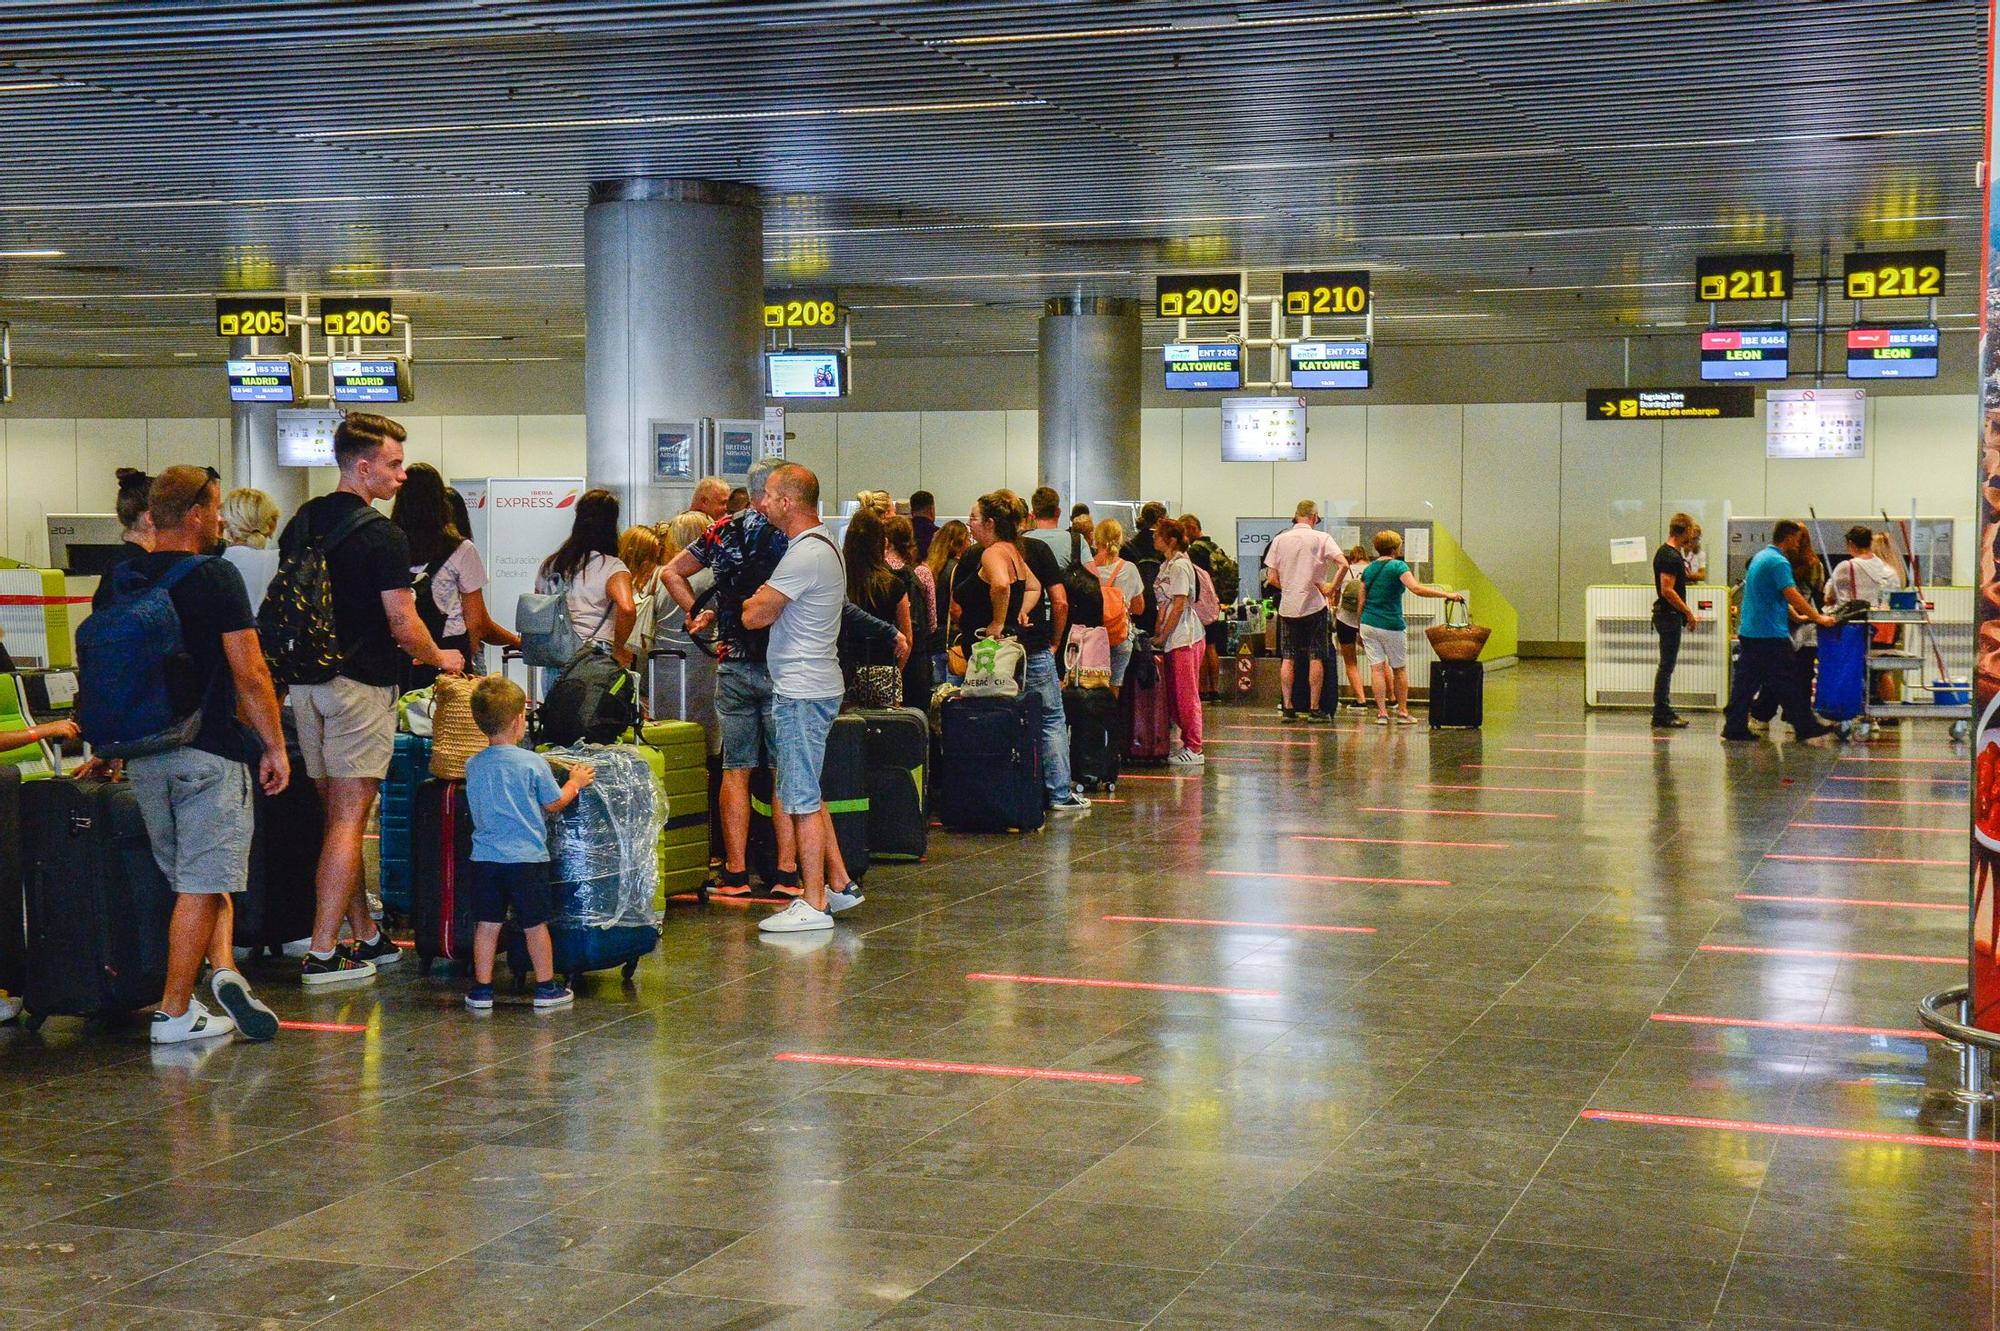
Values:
[(1711, 403)]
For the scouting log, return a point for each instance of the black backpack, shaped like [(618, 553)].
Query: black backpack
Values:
[(593, 701), (424, 585), (1086, 593), (295, 624), (1149, 571)]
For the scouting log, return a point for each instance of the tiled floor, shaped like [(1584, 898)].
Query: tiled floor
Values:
[(1374, 1129)]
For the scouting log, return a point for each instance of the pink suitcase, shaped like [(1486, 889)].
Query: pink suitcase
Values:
[(1147, 716)]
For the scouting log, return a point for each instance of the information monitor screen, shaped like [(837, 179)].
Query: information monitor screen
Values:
[(821, 374), (1210, 365), (1330, 365), (369, 380), (261, 381), (305, 437), (1892, 353), (1746, 353)]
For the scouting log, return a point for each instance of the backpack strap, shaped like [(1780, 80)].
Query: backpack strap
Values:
[(128, 583), (347, 526)]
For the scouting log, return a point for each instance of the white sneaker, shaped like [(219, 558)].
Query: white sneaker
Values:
[(1381, 718), (796, 918), (10, 1007), (1070, 803), (297, 948), (197, 1023), (256, 1021), (839, 902), (1186, 758)]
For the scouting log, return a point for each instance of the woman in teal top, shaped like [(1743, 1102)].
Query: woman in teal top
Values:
[(1384, 633)]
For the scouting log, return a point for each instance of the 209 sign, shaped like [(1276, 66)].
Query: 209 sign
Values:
[(1216, 295), (345, 316)]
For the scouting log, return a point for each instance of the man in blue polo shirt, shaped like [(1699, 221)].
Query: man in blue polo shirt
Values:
[(1764, 638)]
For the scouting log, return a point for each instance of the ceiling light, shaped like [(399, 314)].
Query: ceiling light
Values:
[(126, 205), (362, 269), (683, 118), (1011, 277), (32, 254), (27, 87), (1587, 286), (1479, 7), (926, 305), (91, 297), (464, 337)]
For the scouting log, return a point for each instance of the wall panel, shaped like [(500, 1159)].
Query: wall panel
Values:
[(1415, 461), (1610, 487), (1512, 520), (964, 455)]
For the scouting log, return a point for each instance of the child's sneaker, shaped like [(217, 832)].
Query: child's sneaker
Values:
[(553, 994), (480, 998)]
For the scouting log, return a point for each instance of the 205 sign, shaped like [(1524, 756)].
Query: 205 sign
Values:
[(1326, 293), (249, 316), (800, 312), (344, 316), (1216, 295), (1886, 276)]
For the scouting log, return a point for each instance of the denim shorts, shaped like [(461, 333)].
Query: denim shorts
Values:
[(800, 727), (743, 710), (199, 815), (523, 885)]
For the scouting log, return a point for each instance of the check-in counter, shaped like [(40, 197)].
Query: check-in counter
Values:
[(1621, 651)]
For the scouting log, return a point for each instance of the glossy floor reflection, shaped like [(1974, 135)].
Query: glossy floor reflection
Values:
[(1361, 988)]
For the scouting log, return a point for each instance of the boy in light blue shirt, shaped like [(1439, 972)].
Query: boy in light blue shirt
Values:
[(511, 795)]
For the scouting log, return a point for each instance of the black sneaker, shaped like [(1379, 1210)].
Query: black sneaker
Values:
[(340, 968), (381, 952), (1669, 723), (1319, 718), (1290, 716)]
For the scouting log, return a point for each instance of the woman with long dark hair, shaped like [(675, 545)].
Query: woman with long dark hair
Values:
[(916, 575), (948, 544), (447, 574), (602, 607), (874, 678)]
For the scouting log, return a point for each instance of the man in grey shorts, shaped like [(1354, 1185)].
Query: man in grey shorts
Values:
[(197, 800), (347, 726)]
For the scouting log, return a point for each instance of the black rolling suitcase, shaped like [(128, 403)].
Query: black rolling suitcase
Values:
[(1457, 694), (440, 901), (990, 776), (1096, 739), (899, 746), (98, 907), (277, 906), (843, 789), (13, 911)]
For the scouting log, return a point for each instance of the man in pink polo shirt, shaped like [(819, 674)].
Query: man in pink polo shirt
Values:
[(1307, 567)]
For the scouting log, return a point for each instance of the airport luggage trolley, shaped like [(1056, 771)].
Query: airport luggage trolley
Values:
[(1948, 700)]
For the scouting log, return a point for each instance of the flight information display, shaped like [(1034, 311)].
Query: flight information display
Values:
[(1329, 364), (1892, 353), (805, 374), (1745, 353), (1204, 365), (262, 381), (369, 380)]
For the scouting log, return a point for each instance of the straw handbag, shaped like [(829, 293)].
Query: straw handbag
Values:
[(1460, 641), (455, 736)]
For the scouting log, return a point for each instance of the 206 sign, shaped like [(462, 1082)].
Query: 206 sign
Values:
[(355, 317)]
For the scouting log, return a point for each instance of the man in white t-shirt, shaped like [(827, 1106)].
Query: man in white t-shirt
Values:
[(1307, 567), (801, 604), (1045, 511)]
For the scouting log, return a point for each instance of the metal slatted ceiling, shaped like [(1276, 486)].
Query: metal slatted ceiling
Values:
[(1509, 168)]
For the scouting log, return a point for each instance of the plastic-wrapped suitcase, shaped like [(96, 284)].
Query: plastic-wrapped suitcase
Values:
[(441, 844), (409, 767), (1095, 742), (1148, 718), (899, 746), (1840, 691), (98, 907), (1457, 694), (678, 751), (843, 789), (603, 865), (990, 776), (277, 906)]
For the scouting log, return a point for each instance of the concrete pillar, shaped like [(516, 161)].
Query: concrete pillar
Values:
[(253, 447), (673, 307), (1089, 424)]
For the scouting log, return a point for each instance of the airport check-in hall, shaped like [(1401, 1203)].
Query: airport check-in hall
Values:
[(999, 666)]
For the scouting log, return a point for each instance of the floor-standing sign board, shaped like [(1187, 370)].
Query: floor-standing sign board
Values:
[(1984, 1009)]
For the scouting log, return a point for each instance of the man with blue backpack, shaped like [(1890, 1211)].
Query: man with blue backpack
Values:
[(173, 682)]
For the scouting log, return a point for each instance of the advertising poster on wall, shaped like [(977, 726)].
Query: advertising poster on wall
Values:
[(1984, 1009)]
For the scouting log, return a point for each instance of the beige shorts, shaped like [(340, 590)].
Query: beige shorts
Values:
[(347, 729)]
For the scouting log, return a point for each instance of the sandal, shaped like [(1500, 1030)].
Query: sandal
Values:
[(727, 884)]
